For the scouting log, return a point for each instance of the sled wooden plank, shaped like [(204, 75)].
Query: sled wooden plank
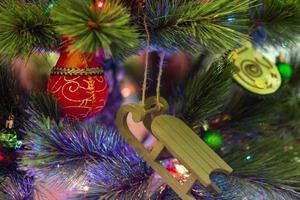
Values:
[(188, 148), (157, 149), (148, 156), (181, 142), (191, 139), (187, 186), (208, 154), (180, 150)]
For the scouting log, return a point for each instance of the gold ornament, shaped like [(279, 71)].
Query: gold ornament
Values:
[(9, 124), (254, 72), (175, 136), (77, 71)]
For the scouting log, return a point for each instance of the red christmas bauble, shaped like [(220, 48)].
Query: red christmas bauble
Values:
[(78, 83)]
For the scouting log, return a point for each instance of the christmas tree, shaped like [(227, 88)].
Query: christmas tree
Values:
[(149, 99)]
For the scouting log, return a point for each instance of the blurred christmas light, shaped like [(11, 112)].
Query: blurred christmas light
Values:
[(126, 92), (285, 44), (231, 18), (205, 126), (213, 139), (128, 89), (18, 144), (181, 169), (286, 70), (51, 5), (260, 35), (177, 170), (297, 159), (85, 188), (100, 4), (2, 156), (248, 157)]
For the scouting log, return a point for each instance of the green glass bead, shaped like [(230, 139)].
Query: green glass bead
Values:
[(8, 138), (285, 70), (213, 139)]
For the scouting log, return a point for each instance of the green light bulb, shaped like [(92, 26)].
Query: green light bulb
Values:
[(285, 70), (213, 139)]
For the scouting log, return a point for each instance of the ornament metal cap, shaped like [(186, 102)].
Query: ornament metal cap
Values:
[(9, 122)]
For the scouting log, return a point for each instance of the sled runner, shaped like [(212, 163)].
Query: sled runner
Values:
[(177, 138)]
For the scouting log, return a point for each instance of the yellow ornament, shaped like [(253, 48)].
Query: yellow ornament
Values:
[(255, 72), (175, 136)]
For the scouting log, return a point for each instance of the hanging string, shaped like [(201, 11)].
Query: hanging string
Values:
[(162, 57), (146, 64)]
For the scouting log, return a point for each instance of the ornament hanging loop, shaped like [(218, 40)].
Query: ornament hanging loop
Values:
[(152, 108), (144, 88)]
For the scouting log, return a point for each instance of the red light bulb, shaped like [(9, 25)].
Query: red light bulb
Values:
[(2, 156), (100, 4)]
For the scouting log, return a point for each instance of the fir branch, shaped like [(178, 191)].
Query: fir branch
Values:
[(13, 99), (15, 185), (61, 152), (280, 20), (239, 188), (248, 113), (186, 24), (271, 160), (24, 28), (232, 187), (93, 29), (205, 93), (289, 115), (124, 175), (45, 105), (294, 61)]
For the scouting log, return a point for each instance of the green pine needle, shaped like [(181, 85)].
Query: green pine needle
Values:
[(24, 28), (273, 159), (45, 104), (294, 61), (206, 92), (280, 19), (250, 113), (288, 120), (93, 29), (217, 25)]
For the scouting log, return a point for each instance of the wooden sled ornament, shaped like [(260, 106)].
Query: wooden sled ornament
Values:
[(175, 136)]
